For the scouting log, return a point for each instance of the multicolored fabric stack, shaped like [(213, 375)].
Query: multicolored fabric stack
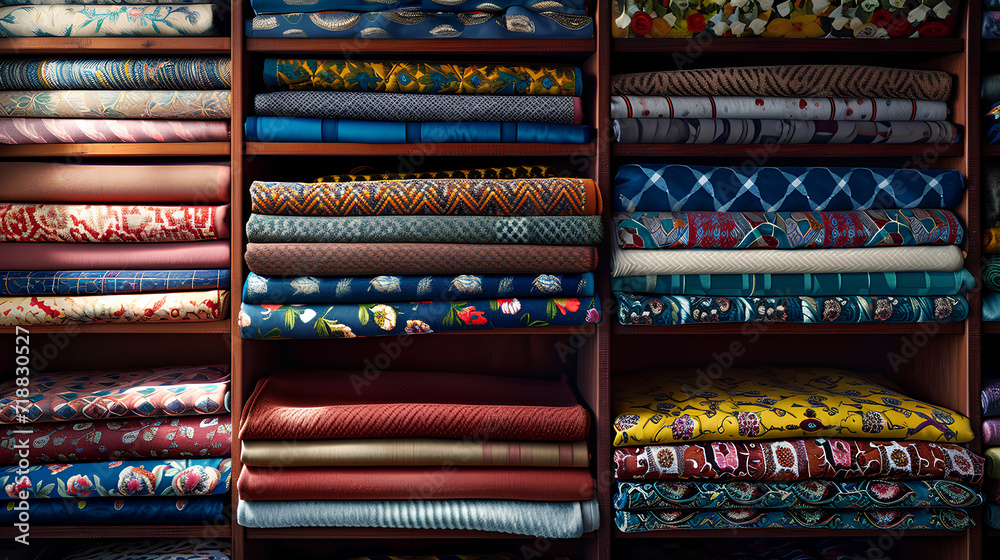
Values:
[(796, 104), (764, 448), (699, 244), (420, 253), (104, 18), (117, 447), (991, 444), (416, 102), (416, 450), (421, 19), (139, 243)]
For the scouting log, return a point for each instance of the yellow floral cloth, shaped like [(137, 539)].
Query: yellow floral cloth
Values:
[(670, 406)]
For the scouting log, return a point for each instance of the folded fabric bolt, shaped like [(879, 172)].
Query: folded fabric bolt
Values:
[(991, 490), (991, 514), (417, 483), (114, 184), (71, 131), (578, 7), (114, 73), (814, 402), (120, 439), (411, 404), (800, 459), (993, 462), (113, 256), (111, 224), (512, 23), (307, 289), (795, 108), (422, 77), (91, 282), (295, 129), (825, 494), (111, 104), (211, 305), (775, 131), (513, 172), (785, 230), (991, 240), (276, 321), (991, 431), (991, 310), (82, 396), (924, 258), (991, 25), (672, 187), (554, 196), (808, 80), (135, 479), (200, 549), (554, 520), (370, 259), (200, 509), (850, 284), (666, 519), (634, 309), (107, 21), (405, 107), (412, 452)]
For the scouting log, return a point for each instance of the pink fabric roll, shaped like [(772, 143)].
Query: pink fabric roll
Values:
[(113, 256), (577, 110), (72, 131), (30, 181)]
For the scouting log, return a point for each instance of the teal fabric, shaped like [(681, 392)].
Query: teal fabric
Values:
[(930, 518)]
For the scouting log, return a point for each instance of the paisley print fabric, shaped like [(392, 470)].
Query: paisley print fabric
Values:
[(166, 511), (211, 305), (654, 406), (92, 282), (111, 224), (107, 21), (664, 519), (115, 73), (794, 108), (111, 104), (776, 131), (133, 479), (518, 172)]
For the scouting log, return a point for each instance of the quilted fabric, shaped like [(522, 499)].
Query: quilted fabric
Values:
[(300, 129), (672, 187), (168, 511), (133, 479), (636, 309), (879, 518), (578, 7), (651, 407), (91, 282), (115, 73), (112, 104), (107, 21), (211, 305), (112, 224), (511, 172), (776, 131), (514, 197), (795, 108), (71, 131), (786, 230)]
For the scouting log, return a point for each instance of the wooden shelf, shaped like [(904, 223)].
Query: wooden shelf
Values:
[(355, 533), (128, 532), (533, 48), (772, 46), (203, 327), (779, 533), (102, 46), (991, 45), (786, 150), (991, 532), (789, 328), (444, 149), (991, 327), (991, 150), (118, 149)]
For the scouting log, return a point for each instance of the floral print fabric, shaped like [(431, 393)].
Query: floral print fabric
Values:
[(115, 73), (111, 224), (210, 305), (930, 518), (106, 21), (91, 282), (166, 511), (577, 7), (110, 104)]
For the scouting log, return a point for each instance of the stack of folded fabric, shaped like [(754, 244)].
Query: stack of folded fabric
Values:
[(114, 18), (762, 448), (787, 244), (413, 102), (405, 254), (117, 447), (416, 450), (137, 243), (421, 19), (68, 101), (798, 104), (991, 242), (991, 442)]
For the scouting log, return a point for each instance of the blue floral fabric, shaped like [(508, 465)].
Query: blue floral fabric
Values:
[(164, 511), (93, 282), (298, 129), (930, 518)]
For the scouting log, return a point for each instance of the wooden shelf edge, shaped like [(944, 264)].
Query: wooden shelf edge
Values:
[(128, 532), (991, 45), (991, 150), (444, 149), (791, 329), (200, 327), (118, 149), (359, 533), (113, 45), (941, 46), (991, 327), (752, 533), (529, 47), (788, 150)]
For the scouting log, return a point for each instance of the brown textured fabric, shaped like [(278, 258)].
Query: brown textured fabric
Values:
[(375, 259), (790, 81), (316, 404)]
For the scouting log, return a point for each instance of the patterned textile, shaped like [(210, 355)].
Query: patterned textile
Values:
[(808, 80), (851, 284), (376, 259), (110, 104), (555, 196), (990, 203), (923, 258), (578, 7), (991, 240), (991, 25), (413, 452), (815, 493), (422, 77), (795, 108), (82, 396), (71, 131), (211, 305), (116, 73), (786, 230), (158, 477), (111, 224), (106, 440), (306, 289), (297, 129), (531, 230), (151, 550), (421, 108), (990, 396), (113, 256), (106, 21), (167, 511), (519, 172), (277, 321), (991, 430), (993, 463), (652, 407), (512, 23), (686, 310), (805, 20), (991, 514), (774, 131), (991, 309), (799, 460), (878, 518), (672, 187), (554, 520), (92, 282)]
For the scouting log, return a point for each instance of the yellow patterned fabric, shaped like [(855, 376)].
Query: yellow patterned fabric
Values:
[(671, 406), (991, 240), (519, 172)]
